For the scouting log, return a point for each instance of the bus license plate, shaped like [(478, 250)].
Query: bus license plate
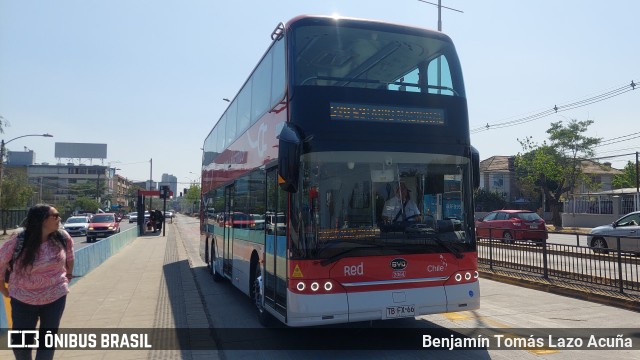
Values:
[(401, 311)]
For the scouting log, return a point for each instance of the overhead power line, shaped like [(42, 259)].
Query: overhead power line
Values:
[(557, 109)]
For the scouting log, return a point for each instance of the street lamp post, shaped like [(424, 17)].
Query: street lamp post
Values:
[(2, 150)]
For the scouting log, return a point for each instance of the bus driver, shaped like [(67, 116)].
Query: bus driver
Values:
[(401, 208)]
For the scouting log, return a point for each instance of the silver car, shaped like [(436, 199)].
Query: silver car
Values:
[(627, 228), (77, 225)]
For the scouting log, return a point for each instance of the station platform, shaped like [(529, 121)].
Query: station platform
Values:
[(146, 285)]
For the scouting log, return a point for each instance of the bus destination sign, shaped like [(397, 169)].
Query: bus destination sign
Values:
[(381, 113)]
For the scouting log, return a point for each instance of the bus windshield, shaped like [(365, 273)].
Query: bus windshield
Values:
[(381, 203), (366, 58)]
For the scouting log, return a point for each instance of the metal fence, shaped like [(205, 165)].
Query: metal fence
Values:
[(12, 218), (599, 204), (611, 269)]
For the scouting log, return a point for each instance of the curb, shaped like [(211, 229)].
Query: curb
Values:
[(621, 301)]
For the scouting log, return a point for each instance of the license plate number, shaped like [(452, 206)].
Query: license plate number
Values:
[(401, 311)]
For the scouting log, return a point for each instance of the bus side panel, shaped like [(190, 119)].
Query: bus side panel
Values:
[(243, 248)]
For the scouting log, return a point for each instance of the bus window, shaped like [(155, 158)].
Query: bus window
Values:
[(439, 77), (244, 109)]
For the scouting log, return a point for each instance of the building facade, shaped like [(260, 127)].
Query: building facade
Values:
[(170, 180)]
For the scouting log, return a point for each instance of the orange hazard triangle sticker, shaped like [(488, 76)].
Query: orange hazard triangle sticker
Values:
[(296, 272), (280, 179)]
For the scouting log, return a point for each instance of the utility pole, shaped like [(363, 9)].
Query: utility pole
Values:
[(637, 184), (439, 5), (150, 180), (439, 61)]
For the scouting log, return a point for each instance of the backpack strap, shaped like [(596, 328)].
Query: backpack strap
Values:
[(17, 250)]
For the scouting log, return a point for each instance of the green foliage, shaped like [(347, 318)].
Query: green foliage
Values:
[(16, 190), (86, 203), (87, 189), (555, 167), (488, 200), (193, 193), (627, 179)]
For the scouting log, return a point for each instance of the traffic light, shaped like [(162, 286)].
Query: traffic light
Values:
[(164, 192)]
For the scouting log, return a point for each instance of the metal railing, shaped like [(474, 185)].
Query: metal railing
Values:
[(611, 269)]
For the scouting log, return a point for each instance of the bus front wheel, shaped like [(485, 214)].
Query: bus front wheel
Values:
[(263, 316)]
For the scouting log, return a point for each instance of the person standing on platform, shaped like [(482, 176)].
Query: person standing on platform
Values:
[(152, 221), (159, 219), (40, 260)]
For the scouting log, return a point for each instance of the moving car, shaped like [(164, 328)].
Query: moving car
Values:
[(102, 225), (133, 217), (605, 237), (511, 225), (77, 225)]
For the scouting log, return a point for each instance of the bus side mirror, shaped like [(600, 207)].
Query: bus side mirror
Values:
[(289, 159), (475, 167)]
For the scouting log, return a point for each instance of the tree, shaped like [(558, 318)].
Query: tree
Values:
[(555, 168), (87, 189), (86, 203), (627, 179), (488, 200), (192, 197), (16, 192)]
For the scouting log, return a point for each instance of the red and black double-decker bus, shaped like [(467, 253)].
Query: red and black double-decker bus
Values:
[(337, 186)]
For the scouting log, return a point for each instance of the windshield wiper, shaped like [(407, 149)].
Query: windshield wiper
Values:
[(447, 247), (340, 255)]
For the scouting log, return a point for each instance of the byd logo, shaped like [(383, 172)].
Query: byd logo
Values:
[(398, 264)]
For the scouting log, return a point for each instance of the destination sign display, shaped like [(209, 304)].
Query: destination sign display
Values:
[(381, 113)]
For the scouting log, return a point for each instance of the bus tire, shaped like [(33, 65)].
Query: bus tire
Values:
[(208, 259), (216, 275), (263, 316)]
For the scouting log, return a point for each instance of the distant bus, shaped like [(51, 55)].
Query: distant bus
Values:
[(297, 172)]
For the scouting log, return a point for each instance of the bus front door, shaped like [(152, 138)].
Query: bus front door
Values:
[(227, 245), (275, 264)]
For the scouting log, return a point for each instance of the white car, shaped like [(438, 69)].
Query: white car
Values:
[(77, 225)]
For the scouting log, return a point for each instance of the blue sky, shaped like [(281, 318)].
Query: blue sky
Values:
[(148, 77)]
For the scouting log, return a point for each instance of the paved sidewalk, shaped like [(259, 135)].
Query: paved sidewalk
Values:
[(148, 284)]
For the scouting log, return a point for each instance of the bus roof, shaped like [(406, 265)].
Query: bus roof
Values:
[(338, 20)]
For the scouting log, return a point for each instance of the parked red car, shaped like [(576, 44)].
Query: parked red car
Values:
[(510, 225)]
